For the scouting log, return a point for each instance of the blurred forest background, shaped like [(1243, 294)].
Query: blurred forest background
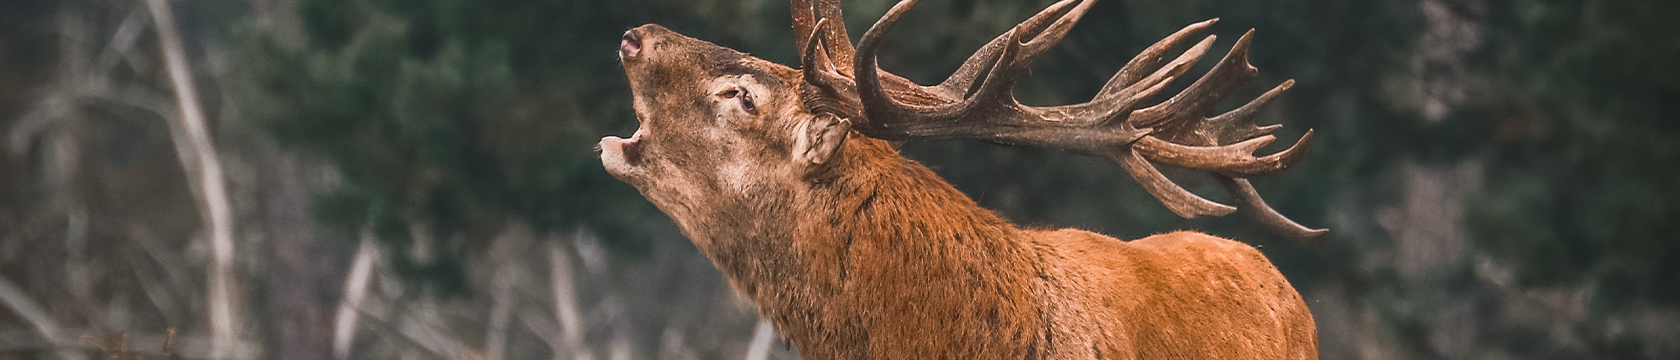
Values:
[(414, 179)]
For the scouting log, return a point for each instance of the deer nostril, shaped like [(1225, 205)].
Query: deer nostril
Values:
[(630, 44)]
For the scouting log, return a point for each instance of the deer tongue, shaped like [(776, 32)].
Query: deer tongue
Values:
[(632, 149)]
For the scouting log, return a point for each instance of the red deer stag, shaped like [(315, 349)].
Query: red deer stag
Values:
[(787, 180)]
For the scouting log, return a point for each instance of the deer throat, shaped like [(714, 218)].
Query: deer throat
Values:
[(873, 247)]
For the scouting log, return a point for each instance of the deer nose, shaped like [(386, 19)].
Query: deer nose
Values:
[(630, 44)]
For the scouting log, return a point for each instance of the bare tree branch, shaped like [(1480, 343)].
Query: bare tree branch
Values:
[(121, 46), (408, 325), (355, 289), (565, 301), (19, 302), (224, 323)]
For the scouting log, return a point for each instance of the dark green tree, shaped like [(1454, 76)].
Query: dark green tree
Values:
[(446, 119)]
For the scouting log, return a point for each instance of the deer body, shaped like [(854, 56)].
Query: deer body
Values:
[(893, 263), (855, 252)]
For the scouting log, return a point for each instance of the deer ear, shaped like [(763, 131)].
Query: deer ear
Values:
[(817, 142)]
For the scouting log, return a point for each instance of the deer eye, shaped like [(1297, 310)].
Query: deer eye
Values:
[(747, 103), (746, 99)]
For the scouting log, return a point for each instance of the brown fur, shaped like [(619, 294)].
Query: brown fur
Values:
[(876, 257)]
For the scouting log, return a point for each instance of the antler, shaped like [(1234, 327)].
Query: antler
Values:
[(808, 18), (1115, 124)]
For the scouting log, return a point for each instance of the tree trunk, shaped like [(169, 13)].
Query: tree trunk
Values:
[(297, 318), (299, 323)]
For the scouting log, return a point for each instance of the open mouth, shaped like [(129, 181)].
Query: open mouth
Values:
[(629, 151), (632, 147), (622, 156)]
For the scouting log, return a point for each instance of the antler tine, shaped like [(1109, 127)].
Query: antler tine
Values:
[(1115, 98), (1235, 159), (1257, 208), (1186, 107), (1152, 56), (839, 42), (868, 76), (804, 22), (827, 90), (1017, 48), (807, 18), (1180, 201), (1238, 124)]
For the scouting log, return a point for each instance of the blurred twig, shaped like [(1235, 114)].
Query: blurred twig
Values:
[(414, 332), (507, 278), (176, 274), (121, 46), (355, 289), (29, 310), (565, 301), (214, 200), (541, 324)]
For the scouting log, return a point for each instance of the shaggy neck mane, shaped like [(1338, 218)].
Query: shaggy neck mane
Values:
[(874, 248)]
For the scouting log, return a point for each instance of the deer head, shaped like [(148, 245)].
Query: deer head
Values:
[(721, 127), (720, 132)]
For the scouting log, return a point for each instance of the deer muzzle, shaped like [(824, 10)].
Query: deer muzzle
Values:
[(629, 45)]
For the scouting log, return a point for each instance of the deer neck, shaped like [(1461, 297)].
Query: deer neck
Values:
[(883, 231)]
